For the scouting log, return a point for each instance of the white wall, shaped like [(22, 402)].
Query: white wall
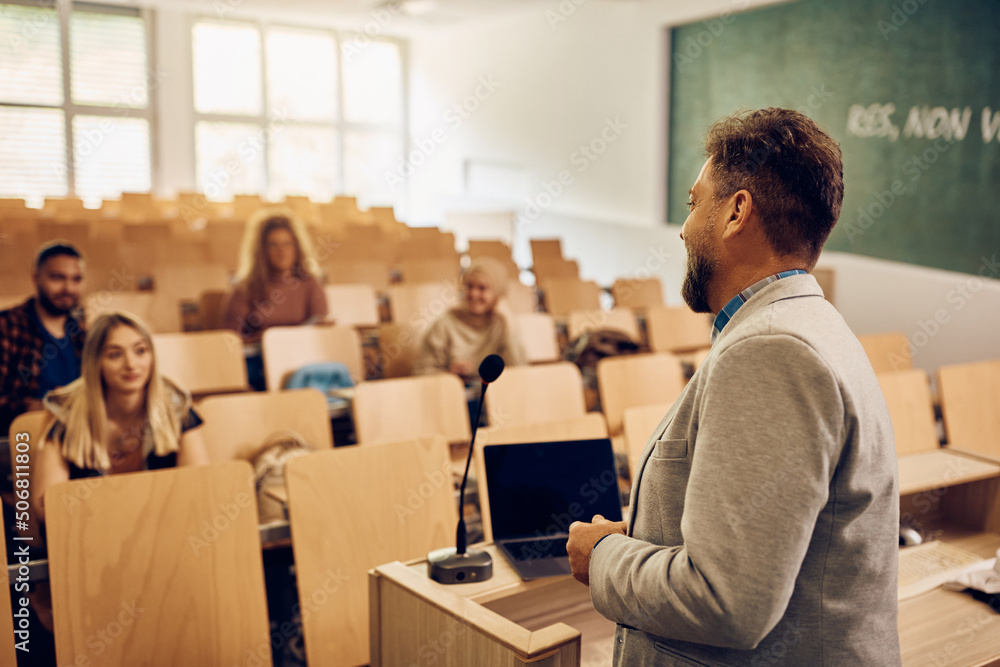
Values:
[(564, 71), (948, 317)]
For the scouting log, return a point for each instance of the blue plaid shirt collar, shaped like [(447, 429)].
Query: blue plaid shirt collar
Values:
[(727, 312)]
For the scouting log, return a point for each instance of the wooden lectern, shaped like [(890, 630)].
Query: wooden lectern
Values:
[(500, 622)]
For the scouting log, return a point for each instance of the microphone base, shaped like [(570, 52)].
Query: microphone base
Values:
[(447, 567)]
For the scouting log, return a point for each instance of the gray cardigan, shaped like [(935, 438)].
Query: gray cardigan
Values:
[(765, 508)]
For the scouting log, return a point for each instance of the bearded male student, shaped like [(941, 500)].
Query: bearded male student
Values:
[(763, 524)]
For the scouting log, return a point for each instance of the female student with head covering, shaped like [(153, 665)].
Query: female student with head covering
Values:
[(276, 285), (120, 416), (461, 338)]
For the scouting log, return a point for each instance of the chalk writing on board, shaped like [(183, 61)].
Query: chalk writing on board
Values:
[(922, 122)]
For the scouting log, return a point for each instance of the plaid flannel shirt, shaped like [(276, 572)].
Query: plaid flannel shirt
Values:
[(22, 358)]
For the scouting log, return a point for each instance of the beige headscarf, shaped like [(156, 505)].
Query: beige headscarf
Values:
[(493, 270)]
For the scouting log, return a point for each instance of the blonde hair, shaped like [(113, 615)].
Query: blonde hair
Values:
[(86, 417), (254, 271)]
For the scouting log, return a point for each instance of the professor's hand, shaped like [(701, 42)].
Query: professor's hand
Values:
[(583, 537)]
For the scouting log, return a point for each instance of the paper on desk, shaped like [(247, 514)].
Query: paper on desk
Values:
[(925, 567), (984, 577)]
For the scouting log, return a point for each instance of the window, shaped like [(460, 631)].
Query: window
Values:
[(94, 145), (288, 111)]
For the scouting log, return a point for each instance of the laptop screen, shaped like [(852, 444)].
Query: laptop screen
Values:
[(539, 489)]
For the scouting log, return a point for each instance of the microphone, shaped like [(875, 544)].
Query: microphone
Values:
[(460, 565)]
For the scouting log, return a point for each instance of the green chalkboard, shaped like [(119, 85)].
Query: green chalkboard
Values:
[(910, 89)]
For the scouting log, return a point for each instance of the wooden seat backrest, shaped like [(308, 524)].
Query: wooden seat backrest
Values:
[(203, 362), (538, 336), (618, 319), (352, 509), (911, 408), (970, 404), (413, 407), (637, 292), (287, 349), (563, 296), (169, 558), (887, 351), (677, 329), (236, 425), (637, 379), (352, 305), (536, 394)]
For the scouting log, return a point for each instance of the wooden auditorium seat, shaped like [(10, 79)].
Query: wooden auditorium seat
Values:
[(445, 269), (152, 310), (398, 345), (538, 336), (555, 269), (168, 562), (911, 408), (887, 351), (542, 249), (77, 233), (8, 653), (618, 319), (588, 427), (224, 238), (536, 394), (352, 305), (413, 407), (826, 276), (366, 272), (203, 362), (637, 293), (563, 296), (637, 379), (485, 248), (677, 329), (419, 304), (427, 243), (212, 309), (287, 349), (970, 405), (353, 509), (520, 298), (236, 425)]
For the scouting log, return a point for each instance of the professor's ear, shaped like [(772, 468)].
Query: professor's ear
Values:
[(740, 208)]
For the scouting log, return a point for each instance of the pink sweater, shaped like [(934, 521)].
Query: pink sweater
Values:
[(288, 302)]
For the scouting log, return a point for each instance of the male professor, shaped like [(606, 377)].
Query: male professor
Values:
[(763, 527)]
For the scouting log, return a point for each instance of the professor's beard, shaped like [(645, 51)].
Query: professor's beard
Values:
[(700, 270)]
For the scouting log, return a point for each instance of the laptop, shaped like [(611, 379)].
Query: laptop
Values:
[(536, 490)]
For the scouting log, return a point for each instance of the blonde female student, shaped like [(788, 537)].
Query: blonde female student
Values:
[(120, 416)]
